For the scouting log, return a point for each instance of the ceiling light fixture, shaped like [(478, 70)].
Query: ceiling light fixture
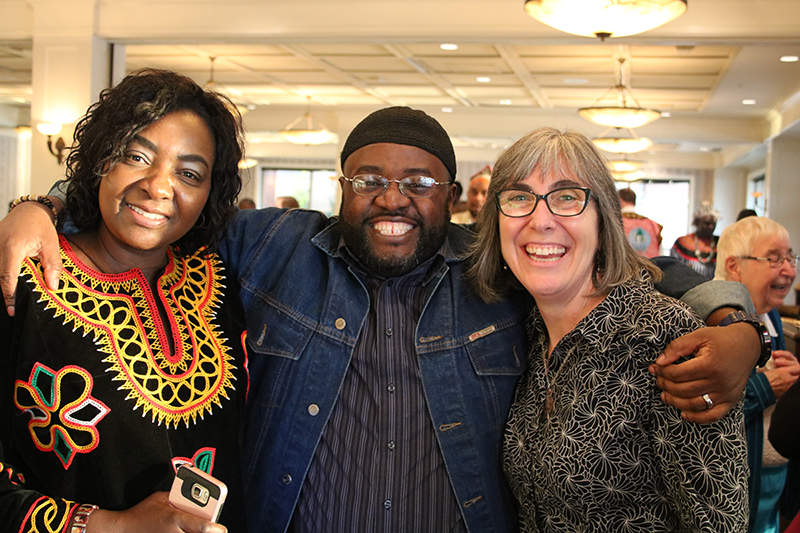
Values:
[(605, 18), (620, 116), (625, 164), (448, 46), (632, 175), (314, 132), (483, 79), (622, 145), (211, 84), (748, 101), (790, 59)]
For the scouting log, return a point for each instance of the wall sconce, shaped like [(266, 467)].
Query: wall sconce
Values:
[(50, 129)]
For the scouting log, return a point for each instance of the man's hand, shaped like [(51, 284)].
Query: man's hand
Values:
[(27, 231), (724, 358)]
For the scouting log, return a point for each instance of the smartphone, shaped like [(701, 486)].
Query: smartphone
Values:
[(198, 493)]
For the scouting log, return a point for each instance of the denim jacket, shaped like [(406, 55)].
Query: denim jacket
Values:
[(305, 311)]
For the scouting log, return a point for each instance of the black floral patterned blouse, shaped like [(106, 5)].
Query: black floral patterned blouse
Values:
[(610, 455)]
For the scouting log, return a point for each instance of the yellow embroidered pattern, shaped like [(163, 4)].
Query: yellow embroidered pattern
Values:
[(47, 516), (119, 311)]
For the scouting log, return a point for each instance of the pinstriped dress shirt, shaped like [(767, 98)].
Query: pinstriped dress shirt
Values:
[(378, 467)]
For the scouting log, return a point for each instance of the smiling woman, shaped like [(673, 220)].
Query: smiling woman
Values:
[(589, 445), (134, 365), (757, 252)]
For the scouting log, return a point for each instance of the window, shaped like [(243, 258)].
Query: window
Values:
[(666, 202), (313, 189)]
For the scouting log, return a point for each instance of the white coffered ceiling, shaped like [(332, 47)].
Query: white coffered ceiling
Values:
[(345, 58)]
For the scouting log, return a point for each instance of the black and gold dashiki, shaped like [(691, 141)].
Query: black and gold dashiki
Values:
[(610, 455), (94, 406)]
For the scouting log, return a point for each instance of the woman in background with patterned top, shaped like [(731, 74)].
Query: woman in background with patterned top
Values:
[(589, 444), (699, 249), (135, 364)]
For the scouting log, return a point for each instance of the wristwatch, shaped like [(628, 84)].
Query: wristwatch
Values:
[(763, 333)]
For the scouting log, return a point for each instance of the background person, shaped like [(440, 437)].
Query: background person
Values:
[(246, 203), (476, 197), (286, 202), (363, 322), (134, 364), (756, 251), (699, 249), (589, 445), (643, 234)]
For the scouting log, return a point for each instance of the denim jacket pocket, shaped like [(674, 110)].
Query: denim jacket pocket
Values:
[(281, 331), (498, 349)]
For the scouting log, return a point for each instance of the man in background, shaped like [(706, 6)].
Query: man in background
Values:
[(643, 234), (476, 197)]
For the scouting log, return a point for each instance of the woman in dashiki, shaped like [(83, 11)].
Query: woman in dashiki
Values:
[(135, 364), (589, 445)]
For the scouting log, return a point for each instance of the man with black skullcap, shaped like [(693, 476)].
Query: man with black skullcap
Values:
[(380, 384)]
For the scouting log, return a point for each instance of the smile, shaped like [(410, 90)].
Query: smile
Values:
[(547, 254), (392, 229), (146, 214)]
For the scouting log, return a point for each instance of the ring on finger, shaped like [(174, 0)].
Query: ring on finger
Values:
[(707, 399)]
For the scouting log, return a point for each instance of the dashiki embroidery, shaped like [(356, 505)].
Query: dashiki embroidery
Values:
[(112, 385)]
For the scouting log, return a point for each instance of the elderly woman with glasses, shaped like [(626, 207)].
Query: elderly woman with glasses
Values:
[(589, 445), (756, 251)]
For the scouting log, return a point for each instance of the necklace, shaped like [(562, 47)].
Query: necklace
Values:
[(705, 257)]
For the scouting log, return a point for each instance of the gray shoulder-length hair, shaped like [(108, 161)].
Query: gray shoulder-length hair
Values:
[(565, 154)]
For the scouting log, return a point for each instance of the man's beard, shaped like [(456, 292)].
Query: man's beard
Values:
[(430, 241)]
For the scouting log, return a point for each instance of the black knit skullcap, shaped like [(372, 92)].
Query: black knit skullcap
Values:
[(403, 125)]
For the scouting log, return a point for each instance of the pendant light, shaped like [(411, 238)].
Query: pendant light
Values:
[(619, 116), (622, 145), (605, 18), (314, 131), (625, 164), (211, 84)]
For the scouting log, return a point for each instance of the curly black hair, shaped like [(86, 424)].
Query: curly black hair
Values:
[(139, 100)]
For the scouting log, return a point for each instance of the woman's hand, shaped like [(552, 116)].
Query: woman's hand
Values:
[(154, 514), (723, 360), (28, 231)]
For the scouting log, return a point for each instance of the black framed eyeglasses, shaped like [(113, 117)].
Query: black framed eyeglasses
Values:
[(775, 261), (564, 202), (410, 186)]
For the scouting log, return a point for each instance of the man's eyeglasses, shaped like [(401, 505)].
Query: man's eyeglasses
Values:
[(775, 261), (411, 186), (566, 202)]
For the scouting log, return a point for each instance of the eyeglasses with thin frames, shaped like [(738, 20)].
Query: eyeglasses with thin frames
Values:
[(775, 261), (564, 202), (411, 186)]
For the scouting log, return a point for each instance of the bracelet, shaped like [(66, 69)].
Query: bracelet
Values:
[(81, 517), (44, 200)]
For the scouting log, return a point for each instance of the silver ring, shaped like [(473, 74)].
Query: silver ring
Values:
[(707, 399)]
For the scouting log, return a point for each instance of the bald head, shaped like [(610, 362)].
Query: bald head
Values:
[(476, 192)]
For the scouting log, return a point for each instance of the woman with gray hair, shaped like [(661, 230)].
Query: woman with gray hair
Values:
[(756, 251), (589, 444)]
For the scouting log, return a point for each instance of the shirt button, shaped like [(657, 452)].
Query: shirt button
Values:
[(388, 332), (287, 479), (313, 409), (391, 445), (387, 504), (391, 387), (340, 323)]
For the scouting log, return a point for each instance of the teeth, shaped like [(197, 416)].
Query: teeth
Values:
[(392, 228), (543, 252), (145, 214)]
